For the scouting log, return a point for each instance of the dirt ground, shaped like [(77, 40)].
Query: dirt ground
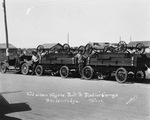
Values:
[(56, 98)]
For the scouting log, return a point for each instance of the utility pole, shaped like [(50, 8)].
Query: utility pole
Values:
[(68, 38), (130, 38), (6, 30), (120, 38)]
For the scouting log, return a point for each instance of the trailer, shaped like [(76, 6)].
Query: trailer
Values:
[(60, 61), (123, 64)]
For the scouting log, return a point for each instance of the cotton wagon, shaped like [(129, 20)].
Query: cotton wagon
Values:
[(58, 61), (123, 63)]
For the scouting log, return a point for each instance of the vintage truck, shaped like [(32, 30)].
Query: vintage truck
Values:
[(59, 61), (122, 62), (21, 63)]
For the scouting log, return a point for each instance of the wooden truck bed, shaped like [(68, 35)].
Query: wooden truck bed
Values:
[(116, 59), (57, 59)]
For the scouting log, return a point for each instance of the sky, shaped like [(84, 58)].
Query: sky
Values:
[(35, 22)]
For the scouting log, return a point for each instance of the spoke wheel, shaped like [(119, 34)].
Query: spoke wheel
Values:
[(25, 69), (3, 68), (40, 49), (121, 75), (87, 72), (66, 48), (64, 71), (88, 49), (39, 70), (140, 76), (140, 48), (122, 46), (82, 49)]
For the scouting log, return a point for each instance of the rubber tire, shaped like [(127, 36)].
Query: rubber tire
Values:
[(88, 49), (64, 71), (39, 70), (122, 46), (82, 49), (66, 46), (24, 68), (143, 76), (90, 71), (40, 49), (3, 68), (119, 76)]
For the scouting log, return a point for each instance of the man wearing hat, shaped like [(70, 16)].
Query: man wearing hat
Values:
[(34, 60), (80, 59)]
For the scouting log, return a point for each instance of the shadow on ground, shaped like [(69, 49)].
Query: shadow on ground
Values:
[(9, 118), (6, 108)]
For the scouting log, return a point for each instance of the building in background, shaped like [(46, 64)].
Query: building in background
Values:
[(12, 51), (52, 46)]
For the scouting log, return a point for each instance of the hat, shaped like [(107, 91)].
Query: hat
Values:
[(34, 51)]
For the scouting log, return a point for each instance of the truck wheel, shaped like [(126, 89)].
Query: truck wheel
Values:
[(122, 46), (64, 71), (121, 75), (82, 49), (25, 69), (88, 48), (39, 70), (3, 68), (87, 72), (140, 75), (66, 48), (40, 49)]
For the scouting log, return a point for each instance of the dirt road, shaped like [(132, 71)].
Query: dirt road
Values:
[(56, 98)]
